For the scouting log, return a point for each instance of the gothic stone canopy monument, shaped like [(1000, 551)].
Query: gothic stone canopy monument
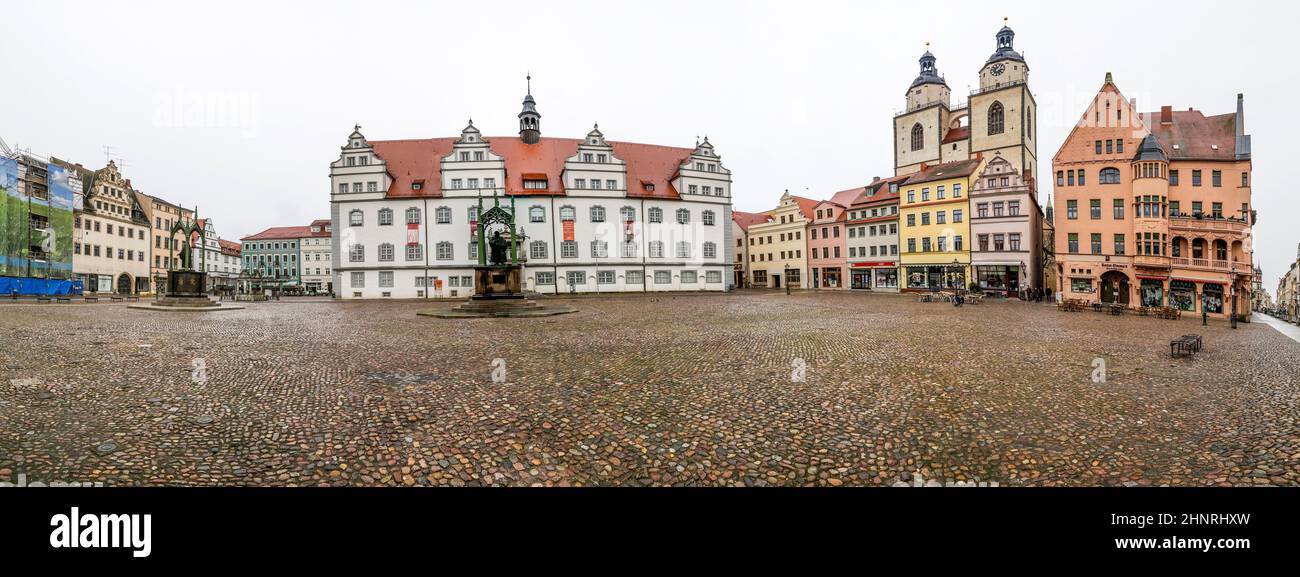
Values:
[(186, 286), (498, 278)]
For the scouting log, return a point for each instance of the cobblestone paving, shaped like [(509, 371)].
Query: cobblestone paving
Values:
[(643, 390)]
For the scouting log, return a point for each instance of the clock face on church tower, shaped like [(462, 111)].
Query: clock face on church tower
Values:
[(998, 69)]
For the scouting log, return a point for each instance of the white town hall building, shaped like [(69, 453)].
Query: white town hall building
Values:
[(594, 215)]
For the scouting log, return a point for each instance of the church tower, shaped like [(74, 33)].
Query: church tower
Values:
[(919, 129), (1003, 113), (530, 120)]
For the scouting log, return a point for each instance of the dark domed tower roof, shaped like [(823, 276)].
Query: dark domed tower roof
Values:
[(1006, 47), (929, 73), (1151, 150)]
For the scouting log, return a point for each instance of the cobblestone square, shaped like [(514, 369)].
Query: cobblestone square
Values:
[(642, 390)]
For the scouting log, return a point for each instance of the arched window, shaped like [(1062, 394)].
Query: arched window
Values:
[(655, 214), (710, 250), (997, 119), (708, 217), (627, 213), (443, 215), (385, 217), (412, 215), (386, 252), (1108, 176), (918, 137), (683, 216), (356, 218), (537, 214), (597, 214), (568, 213)]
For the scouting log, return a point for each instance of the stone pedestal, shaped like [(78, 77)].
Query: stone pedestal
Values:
[(498, 281), (186, 289), (499, 294)]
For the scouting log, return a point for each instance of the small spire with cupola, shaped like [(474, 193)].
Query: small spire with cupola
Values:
[(929, 87), (530, 120)]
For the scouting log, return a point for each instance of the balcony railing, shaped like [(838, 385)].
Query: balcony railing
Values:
[(996, 86), (1208, 224), (1151, 261)]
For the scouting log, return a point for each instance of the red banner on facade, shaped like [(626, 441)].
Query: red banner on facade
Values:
[(412, 234), (568, 230)]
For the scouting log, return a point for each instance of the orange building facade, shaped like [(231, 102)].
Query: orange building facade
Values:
[(1154, 209)]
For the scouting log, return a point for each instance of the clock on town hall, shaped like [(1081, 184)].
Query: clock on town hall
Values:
[(998, 69)]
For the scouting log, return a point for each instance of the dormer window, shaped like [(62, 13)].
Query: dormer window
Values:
[(417, 185), (648, 186), (535, 184)]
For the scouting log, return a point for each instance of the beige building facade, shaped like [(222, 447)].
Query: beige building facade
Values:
[(778, 248), (110, 234), (317, 254)]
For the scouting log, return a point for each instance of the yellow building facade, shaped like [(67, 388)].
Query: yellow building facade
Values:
[(934, 227), (778, 249)]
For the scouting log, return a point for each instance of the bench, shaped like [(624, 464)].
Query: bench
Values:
[(90, 299), (1185, 346), (42, 299), (1116, 310), (114, 299), (134, 299), (64, 299)]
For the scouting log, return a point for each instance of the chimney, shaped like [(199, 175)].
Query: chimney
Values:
[(1166, 115), (1241, 114)]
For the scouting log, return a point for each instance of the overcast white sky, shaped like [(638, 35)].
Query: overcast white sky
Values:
[(795, 95)]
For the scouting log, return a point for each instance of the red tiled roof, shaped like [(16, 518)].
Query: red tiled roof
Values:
[(230, 247), (323, 224), (1195, 134), (844, 198), (881, 188), (411, 161), (748, 219), (281, 233), (956, 135), (806, 206), (944, 171)]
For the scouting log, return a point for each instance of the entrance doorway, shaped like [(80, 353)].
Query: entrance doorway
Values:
[(776, 281), (1114, 288), (124, 284)]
